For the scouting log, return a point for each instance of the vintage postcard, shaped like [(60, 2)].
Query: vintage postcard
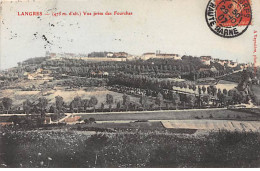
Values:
[(129, 84)]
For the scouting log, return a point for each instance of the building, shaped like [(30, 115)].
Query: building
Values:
[(205, 60), (120, 55), (6, 123), (47, 120), (109, 54), (72, 119), (221, 62), (148, 55), (166, 55), (212, 69), (105, 74), (97, 54), (159, 55), (69, 55), (204, 69), (215, 60), (232, 64), (40, 74)]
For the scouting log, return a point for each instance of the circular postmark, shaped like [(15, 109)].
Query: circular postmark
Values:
[(228, 18)]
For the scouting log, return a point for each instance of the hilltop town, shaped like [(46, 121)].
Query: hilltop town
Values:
[(98, 97)]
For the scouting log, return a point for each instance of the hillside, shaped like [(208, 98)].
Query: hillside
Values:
[(73, 79)]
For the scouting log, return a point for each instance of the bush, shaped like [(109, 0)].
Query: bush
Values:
[(92, 120), (86, 121), (238, 117)]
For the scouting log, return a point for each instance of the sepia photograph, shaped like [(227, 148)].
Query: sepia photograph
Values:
[(129, 84)]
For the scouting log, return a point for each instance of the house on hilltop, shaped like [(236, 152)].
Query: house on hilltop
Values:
[(120, 55), (205, 60), (159, 55), (109, 54), (168, 55)]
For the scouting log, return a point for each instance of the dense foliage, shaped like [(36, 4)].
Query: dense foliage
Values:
[(68, 149)]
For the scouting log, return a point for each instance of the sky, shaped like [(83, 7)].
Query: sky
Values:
[(171, 26)]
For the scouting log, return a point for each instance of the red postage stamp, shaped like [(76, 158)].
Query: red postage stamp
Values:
[(230, 13), (228, 18)]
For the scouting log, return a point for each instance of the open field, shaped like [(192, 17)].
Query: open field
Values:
[(246, 126), (18, 96), (256, 90), (222, 84), (172, 115), (201, 126), (228, 85)]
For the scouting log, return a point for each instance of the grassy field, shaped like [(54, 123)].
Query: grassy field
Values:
[(18, 96), (173, 115), (199, 126), (222, 84), (79, 149)]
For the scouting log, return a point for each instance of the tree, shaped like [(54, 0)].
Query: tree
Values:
[(76, 104), (159, 100), (191, 100), (52, 109), (92, 120), (102, 107), (199, 90), (184, 85), (214, 90), (118, 105), (42, 104), (220, 95), (225, 91), (206, 99), (176, 99), (27, 106), (222, 98), (203, 89), (219, 90), (230, 93), (109, 101), (85, 103), (7, 103), (110, 107), (194, 87), (209, 90), (237, 97), (59, 104), (86, 121), (126, 101), (143, 101), (181, 85), (93, 102)]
